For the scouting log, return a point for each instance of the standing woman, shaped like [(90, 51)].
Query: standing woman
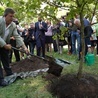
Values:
[(48, 37)]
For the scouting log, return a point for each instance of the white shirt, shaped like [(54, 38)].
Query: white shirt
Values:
[(49, 31), (94, 34)]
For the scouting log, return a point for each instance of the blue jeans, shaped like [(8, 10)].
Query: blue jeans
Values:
[(75, 36)]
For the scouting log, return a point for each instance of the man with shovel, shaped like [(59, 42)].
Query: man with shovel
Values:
[(8, 29)]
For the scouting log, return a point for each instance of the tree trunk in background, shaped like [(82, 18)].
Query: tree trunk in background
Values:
[(79, 75)]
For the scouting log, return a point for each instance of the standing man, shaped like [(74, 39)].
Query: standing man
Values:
[(40, 29), (32, 41), (8, 29)]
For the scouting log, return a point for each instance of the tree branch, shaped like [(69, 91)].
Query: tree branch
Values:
[(58, 6), (85, 2), (78, 4), (1, 3), (94, 11)]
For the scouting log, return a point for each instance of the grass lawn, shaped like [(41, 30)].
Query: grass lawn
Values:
[(36, 87)]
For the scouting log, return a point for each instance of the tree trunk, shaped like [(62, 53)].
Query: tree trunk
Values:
[(79, 75)]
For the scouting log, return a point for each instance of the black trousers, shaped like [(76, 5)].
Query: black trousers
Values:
[(55, 46), (41, 50), (4, 59), (16, 52)]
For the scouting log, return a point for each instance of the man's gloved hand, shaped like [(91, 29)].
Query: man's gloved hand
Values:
[(8, 46)]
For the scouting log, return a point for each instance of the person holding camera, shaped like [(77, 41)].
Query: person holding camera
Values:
[(13, 43)]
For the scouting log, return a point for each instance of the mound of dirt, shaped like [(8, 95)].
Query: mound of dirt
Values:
[(68, 86), (29, 64), (34, 63)]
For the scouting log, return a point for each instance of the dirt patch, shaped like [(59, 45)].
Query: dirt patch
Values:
[(68, 86), (30, 64), (34, 63)]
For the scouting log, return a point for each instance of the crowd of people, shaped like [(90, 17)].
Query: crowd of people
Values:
[(39, 37), (43, 33)]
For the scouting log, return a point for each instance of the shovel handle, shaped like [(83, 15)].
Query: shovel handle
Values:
[(29, 53), (18, 49)]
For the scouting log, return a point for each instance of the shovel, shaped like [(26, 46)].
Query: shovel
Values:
[(29, 54)]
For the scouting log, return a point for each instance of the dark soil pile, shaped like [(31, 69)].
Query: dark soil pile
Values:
[(69, 86), (34, 63), (29, 64)]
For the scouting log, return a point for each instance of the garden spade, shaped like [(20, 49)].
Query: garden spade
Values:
[(28, 54)]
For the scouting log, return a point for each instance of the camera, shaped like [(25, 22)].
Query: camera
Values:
[(16, 22)]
